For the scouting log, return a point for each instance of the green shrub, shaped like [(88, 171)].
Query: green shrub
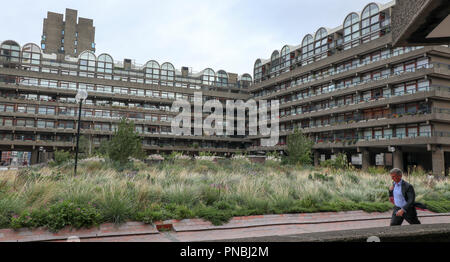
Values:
[(417, 171), (299, 149), (58, 216), (61, 157), (442, 206), (340, 162), (321, 177), (117, 208), (379, 170), (215, 216), (125, 143)]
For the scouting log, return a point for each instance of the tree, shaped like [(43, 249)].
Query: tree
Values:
[(299, 149), (125, 143), (85, 147)]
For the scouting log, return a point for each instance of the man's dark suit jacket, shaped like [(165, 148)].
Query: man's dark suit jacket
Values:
[(409, 194)]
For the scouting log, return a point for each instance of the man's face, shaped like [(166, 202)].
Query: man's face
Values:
[(396, 178)]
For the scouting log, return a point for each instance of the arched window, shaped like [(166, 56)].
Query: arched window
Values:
[(307, 46), (246, 80), (222, 78), (285, 56), (208, 77), (257, 73), (10, 51), (87, 61), (168, 73), (105, 64), (321, 41), (275, 61), (370, 22), (351, 30), (152, 70), (31, 54)]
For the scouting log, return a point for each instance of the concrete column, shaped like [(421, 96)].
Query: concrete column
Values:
[(365, 159), (438, 162), (316, 158), (398, 159), (34, 157)]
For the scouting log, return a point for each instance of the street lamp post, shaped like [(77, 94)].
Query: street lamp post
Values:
[(81, 96)]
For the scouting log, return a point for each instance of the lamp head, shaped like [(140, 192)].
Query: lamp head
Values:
[(81, 95)]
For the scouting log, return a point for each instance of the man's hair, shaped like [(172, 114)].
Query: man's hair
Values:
[(396, 171)]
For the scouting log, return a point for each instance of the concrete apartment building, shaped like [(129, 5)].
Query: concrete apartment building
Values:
[(353, 92), (349, 88), (69, 36)]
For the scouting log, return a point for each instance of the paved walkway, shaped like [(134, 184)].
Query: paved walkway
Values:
[(197, 230)]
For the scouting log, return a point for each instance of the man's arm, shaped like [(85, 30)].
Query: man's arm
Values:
[(411, 196), (391, 195)]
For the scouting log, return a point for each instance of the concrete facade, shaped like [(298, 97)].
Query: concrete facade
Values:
[(71, 36), (420, 22), (352, 92), (333, 97)]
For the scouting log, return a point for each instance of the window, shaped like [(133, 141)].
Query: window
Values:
[(152, 70), (351, 30), (168, 72), (321, 42), (105, 64), (10, 51), (307, 47), (222, 79), (208, 77), (370, 22), (31, 54), (257, 73), (285, 57), (87, 61), (275, 61)]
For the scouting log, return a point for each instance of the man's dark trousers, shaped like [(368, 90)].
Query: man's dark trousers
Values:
[(410, 216)]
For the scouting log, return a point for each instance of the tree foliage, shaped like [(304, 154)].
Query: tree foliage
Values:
[(299, 149), (125, 143)]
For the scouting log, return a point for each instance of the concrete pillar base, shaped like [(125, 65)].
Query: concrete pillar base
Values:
[(34, 157), (398, 159), (316, 158), (438, 162), (365, 159)]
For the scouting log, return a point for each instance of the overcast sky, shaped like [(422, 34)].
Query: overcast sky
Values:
[(227, 34)]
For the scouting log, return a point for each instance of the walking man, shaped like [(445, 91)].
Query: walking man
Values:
[(402, 195)]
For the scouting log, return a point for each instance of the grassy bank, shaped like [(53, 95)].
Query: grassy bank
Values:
[(183, 189)]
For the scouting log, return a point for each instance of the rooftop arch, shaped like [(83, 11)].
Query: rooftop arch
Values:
[(31, 47), (222, 78), (246, 77), (308, 39), (106, 58), (87, 55), (321, 33), (168, 66), (208, 76), (370, 10), (257, 63), (275, 55), (10, 50), (31, 54), (351, 19), (105, 63), (152, 64), (10, 43)]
